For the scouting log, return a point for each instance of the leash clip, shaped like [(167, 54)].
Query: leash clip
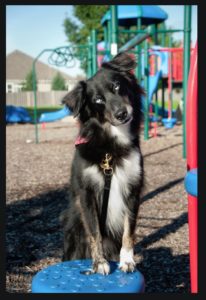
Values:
[(106, 165)]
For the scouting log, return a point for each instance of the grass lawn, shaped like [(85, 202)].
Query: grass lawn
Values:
[(41, 110)]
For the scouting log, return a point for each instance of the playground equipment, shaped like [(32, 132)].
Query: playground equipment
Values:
[(17, 114), (53, 116), (60, 56), (70, 277), (192, 168), (148, 16)]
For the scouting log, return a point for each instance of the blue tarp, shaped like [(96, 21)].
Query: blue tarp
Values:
[(128, 14), (56, 115), (17, 114)]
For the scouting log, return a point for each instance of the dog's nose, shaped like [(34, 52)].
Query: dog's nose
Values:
[(121, 114)]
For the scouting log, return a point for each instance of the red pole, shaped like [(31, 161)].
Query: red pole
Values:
[(169, 85), (191, 143)]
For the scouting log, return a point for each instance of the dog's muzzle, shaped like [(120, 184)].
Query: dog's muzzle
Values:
[(122, 115)]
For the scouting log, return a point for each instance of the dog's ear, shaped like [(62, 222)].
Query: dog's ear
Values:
[(76, 98), (122, 62)]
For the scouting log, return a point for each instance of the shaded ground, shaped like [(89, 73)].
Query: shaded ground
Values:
[(37, 187)]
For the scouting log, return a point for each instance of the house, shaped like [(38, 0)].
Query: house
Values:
[(19, 64)]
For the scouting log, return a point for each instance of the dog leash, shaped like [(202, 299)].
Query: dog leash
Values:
[(106, 165)]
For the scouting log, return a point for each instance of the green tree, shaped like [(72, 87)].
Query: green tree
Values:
[(27, 85), (88, 17), (58, 83)]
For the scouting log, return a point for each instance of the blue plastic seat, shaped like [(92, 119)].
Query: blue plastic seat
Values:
[(67, 277), (169, 122), (191, 182)]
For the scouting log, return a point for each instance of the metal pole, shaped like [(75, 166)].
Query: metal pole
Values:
[(94, 51), (105, 36), (114, 27), (135, 41), (170, 70), (163, 98), (35, 101), (187, 38), (163, 35), (35, 94), (109, 37), (35, 85), (156, 69), (146, 84), (163, 91), (89, 67), (139, 49)]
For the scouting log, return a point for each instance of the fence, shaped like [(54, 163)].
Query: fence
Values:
[(52, 98)]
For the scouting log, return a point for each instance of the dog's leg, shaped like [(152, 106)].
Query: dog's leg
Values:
[(87, 206), (127, 263)]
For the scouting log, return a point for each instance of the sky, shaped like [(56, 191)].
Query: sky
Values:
[(32, 28)]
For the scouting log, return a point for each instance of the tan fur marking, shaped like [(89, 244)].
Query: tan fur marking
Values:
[(127, 239), (95, 243)]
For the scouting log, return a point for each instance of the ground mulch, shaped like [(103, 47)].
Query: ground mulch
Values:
[(37, 185)]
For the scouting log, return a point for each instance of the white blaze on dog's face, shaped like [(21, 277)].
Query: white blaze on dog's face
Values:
[(112, 95), (108, 98)]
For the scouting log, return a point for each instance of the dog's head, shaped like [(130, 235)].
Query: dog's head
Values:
[(111, 95)]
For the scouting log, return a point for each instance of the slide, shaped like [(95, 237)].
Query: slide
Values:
[(54, 116), (154, 79), (153, 83)]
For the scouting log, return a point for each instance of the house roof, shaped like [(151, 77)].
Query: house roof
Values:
[(19, 64)]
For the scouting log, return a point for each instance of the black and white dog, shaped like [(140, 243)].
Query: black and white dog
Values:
[(108, 106)]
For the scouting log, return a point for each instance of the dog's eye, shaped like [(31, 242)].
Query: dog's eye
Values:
[(99, 100), (116, 86)]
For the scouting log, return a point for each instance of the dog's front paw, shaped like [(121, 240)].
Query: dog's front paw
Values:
[(127, 263), (127, 267), (101, 266)]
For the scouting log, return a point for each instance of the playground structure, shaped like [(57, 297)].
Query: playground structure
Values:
[(149, 21), (147, 18), (53, 116)]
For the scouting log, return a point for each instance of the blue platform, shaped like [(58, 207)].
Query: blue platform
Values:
[(169, 122), (191, 182), (66, 277)]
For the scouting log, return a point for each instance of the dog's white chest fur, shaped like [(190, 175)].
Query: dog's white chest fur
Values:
[(124, 175), (128, 173)]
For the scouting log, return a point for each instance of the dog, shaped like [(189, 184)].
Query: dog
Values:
[(107, 161)]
